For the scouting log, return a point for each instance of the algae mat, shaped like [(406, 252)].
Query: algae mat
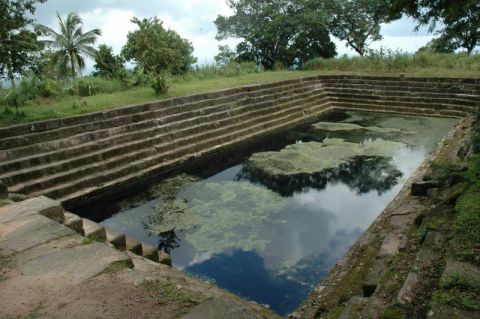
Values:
[(271, 226)]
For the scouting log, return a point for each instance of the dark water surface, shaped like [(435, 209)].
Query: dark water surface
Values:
[(271, 238)]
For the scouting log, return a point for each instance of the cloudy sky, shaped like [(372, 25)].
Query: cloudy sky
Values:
[(192, 19)]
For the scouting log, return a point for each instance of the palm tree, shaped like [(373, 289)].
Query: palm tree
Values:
[(71, 44)]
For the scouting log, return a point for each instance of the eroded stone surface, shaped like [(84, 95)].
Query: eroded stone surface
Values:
[(407, 292)]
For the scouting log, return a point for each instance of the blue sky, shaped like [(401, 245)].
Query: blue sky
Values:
[(192, 19)]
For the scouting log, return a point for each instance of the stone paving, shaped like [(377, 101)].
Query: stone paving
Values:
[(51, 271)]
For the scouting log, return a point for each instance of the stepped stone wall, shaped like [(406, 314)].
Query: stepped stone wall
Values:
[(75, 158)]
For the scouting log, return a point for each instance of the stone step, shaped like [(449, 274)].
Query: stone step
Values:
[(93, 230), (404, 99), (27, 151), (117, 239), (57, 146), (20, 175), (411, 82), (148, 111), (348, 106), (150, 167), (74, 222), (190, 145), (412, 107), (405, 88), (395, 92), (136, 152)]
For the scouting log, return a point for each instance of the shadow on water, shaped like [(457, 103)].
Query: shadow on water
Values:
[(361, 174), (271, 239)]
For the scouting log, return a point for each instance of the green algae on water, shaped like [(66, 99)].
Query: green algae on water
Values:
[(314, 157), (339, 126), (211, 216)]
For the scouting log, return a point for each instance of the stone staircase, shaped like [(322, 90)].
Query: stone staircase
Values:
[(72, 158)]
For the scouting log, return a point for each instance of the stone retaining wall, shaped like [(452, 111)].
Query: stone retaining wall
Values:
[(75, 158)]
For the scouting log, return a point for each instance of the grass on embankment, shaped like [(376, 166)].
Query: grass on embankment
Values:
[(41, 109), (380, 63)]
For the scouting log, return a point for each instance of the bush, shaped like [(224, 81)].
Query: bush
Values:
[(88, 86), (32, 87), (389, 61)]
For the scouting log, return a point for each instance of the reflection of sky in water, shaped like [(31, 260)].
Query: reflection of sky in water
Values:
[(320, 225)]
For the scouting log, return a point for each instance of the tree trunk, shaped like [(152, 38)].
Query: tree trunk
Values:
[(11, 76)]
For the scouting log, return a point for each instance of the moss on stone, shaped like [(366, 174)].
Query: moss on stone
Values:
[(314, 157)]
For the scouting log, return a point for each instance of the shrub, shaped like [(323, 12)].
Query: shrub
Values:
[(88, 86)]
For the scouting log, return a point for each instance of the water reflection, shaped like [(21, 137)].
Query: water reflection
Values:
[(361, 174), (272, 238)]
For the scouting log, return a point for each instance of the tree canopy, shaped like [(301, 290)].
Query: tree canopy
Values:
[(107, 64), (357, 21), (158, 51), (17, 42), (71, 44), (277, 31), (459, 20)]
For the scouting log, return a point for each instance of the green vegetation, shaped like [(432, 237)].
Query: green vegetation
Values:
[(5, 263), (70, 45), (166, 292), (172, 54), (314, 157), (385, 62), (232, 205)]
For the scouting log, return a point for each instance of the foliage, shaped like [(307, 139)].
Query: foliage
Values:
[(386, 61), (459, 19), (158, 51), (441, 44), (88, 86), (32, 86), (17, 42), (107, 64), (225, 55), (357, 22), (276, 31), (71, 44)]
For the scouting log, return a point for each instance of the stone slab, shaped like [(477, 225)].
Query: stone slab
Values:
[(470, 272), (94, 230), (407, 292), (116, 238), (31, 231), (74, 222), (42, 205), (133, 245), (446, 312), (420, 188), (353, 308), (390, 246), (220, 308), (372, 279), (76, 264)]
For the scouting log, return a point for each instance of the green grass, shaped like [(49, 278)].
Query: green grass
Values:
[(41, 109), (166, 292), (211, 78)]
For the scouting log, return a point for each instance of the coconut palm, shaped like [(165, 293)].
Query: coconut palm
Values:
[(71, 45)]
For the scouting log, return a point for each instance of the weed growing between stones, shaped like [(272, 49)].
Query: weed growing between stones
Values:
[(166, 292), (5, 264)]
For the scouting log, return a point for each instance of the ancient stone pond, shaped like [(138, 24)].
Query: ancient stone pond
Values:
[(271, 225)]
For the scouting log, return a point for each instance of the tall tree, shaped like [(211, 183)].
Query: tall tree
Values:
[(459, 20), (71, 44), (158, 51), (358, 22), (107, 64), (17, 42), (276, 31)]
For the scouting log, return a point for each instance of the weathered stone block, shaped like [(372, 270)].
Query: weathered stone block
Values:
[(94, 230), (407, 292), (3, 190), (372, 280), (390, 246), (42, 205), (420, 188), (117, 239), (353, 308), (468, 271), (150, 252), (74, 222), (134, 246)]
